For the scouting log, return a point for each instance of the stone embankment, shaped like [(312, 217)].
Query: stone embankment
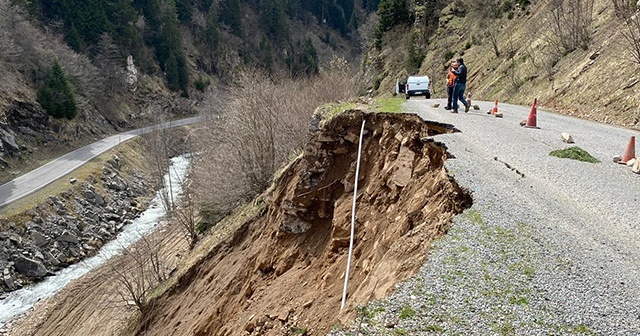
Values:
[(69, 227)]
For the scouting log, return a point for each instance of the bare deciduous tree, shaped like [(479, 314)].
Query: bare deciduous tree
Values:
[(260, 129), (140, 268), (624, 9), (571, 24), (631, 34), (629, 12)]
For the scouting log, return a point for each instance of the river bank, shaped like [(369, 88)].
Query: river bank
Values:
[(22, 300)]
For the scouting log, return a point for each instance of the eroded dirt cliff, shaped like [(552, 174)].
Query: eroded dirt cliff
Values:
[(283, 272)]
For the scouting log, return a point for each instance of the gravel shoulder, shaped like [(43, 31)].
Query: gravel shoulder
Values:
[(550, 246)]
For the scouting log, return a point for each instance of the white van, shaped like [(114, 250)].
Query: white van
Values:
[(418, 86)]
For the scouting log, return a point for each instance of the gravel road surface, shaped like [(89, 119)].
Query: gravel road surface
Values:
[(550, 247)]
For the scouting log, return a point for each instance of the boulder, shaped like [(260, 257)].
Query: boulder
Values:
[(631, 162), (29, 267), (89, 194), (566, 137), (435, 105), (403, 167), (115, 164), (38, 238), (68, 237), (8, 139), (8, 281), (636, 166)]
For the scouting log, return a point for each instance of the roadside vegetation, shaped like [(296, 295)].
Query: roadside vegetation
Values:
[(574, 153), (261, 129)]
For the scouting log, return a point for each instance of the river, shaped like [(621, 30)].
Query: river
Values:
[(20, 301)]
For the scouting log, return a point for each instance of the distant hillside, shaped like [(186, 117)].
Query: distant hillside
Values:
[(577, 57), (65, 75)]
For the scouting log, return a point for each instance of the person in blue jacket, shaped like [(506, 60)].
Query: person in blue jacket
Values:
[(460, 87)]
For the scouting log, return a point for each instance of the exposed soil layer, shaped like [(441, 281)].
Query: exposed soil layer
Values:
[(284, 272)]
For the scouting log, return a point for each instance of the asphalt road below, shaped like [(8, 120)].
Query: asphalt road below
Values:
[(550, 247), (43, 176)]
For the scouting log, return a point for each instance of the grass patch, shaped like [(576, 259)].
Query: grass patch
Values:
[(392, 105), (582, 329), (298, 331), (575, 153), (474, 217), (407, 312), (522, 301), (336, 108), (434, 328)]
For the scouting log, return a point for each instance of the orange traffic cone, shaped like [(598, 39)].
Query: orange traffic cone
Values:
[(630, 153), (532, 121), (495, 108)]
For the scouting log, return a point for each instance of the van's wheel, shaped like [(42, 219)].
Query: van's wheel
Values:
[(427, 96), (407, 96)]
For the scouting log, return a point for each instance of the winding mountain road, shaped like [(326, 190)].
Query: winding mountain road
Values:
[(43, 176)]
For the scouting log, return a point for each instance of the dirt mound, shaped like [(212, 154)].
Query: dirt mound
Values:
[(283, 273)]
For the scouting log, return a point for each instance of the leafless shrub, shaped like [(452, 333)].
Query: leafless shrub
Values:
[(571, 24), (259, 130), (140, 268), (483, 16), (628, 11), (624, 9)]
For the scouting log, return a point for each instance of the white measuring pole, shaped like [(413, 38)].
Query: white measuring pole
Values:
[(353, 219)]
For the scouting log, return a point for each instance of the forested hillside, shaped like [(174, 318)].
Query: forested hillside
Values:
[(67, 79)]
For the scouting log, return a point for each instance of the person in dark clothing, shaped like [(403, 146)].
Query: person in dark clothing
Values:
[(451, 83), (460, 87)]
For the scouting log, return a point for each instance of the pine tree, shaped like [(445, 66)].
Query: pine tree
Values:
[(310, 58), (183, 74), (392, 13), (274, 19), (266, 54), (185, 9), (172, 73), (210, 34), (231, 15), (56, 95)]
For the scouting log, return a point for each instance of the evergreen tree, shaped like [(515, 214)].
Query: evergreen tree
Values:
[(310, 58), (336, 17), (171, 72), (266, 55), (274, 19), (183, 74), (370, 5), (303, 60), (414, 55), (56, 95), (185, 11), (230, 14), (392, 13), (348, 7), (210, 34)]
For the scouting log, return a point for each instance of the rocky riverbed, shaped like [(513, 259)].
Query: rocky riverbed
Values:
[(69, 227)]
